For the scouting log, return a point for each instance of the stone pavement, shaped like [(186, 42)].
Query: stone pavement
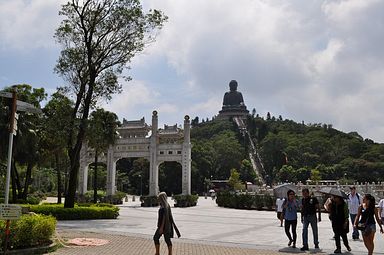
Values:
[(206, 229), (134, 245)]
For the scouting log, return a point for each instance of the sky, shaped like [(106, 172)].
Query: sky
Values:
[(317, 61)]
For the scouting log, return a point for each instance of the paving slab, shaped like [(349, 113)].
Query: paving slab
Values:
[(204, 228)]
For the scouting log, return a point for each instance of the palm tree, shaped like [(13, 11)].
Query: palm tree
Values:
[(101, 133)]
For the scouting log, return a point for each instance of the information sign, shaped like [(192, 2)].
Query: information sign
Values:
[(10, 212)]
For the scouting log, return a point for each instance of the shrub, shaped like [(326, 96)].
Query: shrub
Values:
[(268, 201), (244, 200), (79, 212), (102, 197), (149, 201), (29, 231), (115, 199), (185, 200)]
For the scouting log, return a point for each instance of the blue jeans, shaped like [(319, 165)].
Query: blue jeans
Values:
[(310, 219), (355, 233)]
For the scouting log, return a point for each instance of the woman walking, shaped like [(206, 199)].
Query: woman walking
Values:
[(368, 213), (165, 224), (339, 215), (290, 207)]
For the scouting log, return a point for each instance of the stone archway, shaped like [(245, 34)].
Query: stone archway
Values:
[(168, 144)]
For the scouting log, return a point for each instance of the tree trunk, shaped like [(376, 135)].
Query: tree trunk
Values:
[(95, 180), (74, 154), (73, 174), (16, 181), (66, 181), (58, 178), (27, 182)]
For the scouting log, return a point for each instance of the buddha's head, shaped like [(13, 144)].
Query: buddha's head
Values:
[(233, 85)]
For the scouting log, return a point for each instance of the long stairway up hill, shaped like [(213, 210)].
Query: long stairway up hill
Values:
[(253, 154)]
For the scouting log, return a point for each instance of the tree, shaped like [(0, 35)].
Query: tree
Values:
[(99, 38), (234, 180), (26, 148), (101, 133), (57, 116)]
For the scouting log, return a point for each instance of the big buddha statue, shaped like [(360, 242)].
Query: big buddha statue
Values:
[(233, 102)]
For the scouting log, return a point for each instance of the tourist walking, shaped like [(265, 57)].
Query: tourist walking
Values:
[(289, 214), (165, 224), (279, 209), (309, 206), (365, 220), (381, 210), (339, 216), (354, 201)]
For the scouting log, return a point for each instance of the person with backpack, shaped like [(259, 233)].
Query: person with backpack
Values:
[(353, 205)]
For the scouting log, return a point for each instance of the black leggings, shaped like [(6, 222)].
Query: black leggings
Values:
[(287, 224), (343, 236), (167, 238)]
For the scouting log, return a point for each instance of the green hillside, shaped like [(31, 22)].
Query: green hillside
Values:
[(289, 151)]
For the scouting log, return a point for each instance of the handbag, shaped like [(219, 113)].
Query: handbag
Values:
[(361, 226)]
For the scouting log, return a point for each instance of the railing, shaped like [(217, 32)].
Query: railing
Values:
[(375, 189)]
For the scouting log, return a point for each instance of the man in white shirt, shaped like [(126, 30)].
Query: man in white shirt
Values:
[(381, 210), (279, 209), (354, 201)]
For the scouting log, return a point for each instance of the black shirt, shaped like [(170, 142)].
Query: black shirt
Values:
[(309, 205)]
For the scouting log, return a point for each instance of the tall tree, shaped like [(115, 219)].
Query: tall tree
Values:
[(26, 148), (57, 116), (99, 38), (100, 134)]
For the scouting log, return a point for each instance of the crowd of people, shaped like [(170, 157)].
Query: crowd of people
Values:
[(361, 211)]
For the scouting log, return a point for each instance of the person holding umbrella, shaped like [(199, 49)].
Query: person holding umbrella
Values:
[(339, 216)]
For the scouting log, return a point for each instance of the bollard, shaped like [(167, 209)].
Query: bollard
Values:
[(126, 199)]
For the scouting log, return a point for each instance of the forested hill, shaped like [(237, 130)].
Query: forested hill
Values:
[(290, 151)]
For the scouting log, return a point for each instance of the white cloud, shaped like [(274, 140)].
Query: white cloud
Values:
[(28, 24), (313, 60)]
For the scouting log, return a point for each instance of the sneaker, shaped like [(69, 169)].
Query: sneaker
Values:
[(317, 246), (304, 248), (290, 242), (337, 251), (348, 248), (294, 245)]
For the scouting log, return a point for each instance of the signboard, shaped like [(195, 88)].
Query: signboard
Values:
[(26, 107), (10, 212), (5, 94)]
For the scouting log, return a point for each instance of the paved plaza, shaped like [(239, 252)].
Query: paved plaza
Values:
[(206, 229)]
